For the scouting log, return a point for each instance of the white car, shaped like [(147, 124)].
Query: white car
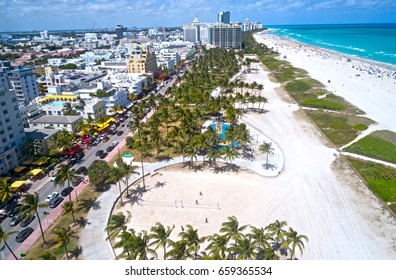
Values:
[(115, 143), (51, 196)]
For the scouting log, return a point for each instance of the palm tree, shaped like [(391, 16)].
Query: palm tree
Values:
[(160, 236), (31, 148), (231, 229), (69, 207), (179, 250), (218, 246), (6, 191), (31, 205), (115, 175), (62, 238), (142, 248), (127, 242), (127, 170), (192, 239), (229, 153), (3, 237), (260, 239), (68, 110), (266, 148), (213, 155), (295, 241), (276, 230), (117, 223), (65, 174), (244, 248)]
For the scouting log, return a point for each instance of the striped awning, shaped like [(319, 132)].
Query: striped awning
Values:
[(36, 171)]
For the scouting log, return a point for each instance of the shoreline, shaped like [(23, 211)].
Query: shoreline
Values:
[(370, 87), (388, 66)]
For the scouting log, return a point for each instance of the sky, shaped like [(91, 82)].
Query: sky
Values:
[(26, 15)]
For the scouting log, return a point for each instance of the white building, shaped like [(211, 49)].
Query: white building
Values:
[(30, 112), (130, 82), (90, 37), (56, 61), (70, 123), (95, 108)]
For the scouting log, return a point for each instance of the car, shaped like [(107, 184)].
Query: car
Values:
[(26, 221), (80, 155), (72, 162), (14, 210), (51, 196), (114, 143), (113, 132), (16, 219), (3, 214), (106, 139), (66, 191), (119, 133), (77, 181), (82, 170), (97, 141), (55, 202), (23, 234), (103, 155), (99, 153), (109, 149)]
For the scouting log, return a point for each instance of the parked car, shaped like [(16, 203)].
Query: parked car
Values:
[(119, 133), (115, 143), (97, 141), (82, 170), (80, 155), (99, 153), (66, 191), (16, 219), (77, 181), (14, 210), (113, 132), (103, 155), (23, 234), (106, 139), (55, 202), (26, 221), (51, 196), (109, 149)]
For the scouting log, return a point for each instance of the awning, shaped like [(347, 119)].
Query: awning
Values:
[(86, 140), (106, 123), (39, 162), (19, 169), (17, 184), (27, 162), (36, 171)]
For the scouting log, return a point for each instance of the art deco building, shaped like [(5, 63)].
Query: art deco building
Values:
[(141, 60)]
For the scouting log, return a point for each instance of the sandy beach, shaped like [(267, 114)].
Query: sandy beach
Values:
[(315, 192), (371, 87)]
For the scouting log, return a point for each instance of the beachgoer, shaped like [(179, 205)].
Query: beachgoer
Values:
[(182, 228), (200, 193), (196, 202), (206, 220)]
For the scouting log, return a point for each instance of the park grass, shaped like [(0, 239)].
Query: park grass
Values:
[(85, 198), (298, 86), (323, 104), (387, 135), (360, 127), (374, 147), (337, 127), (380, 178)]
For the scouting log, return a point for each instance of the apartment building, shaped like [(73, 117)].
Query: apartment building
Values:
[(141, 60)]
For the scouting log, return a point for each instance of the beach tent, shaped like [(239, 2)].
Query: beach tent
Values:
[(36, 171)]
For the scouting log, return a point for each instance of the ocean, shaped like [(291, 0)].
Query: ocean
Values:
[(369, 41)]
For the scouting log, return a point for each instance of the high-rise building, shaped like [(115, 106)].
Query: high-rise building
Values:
[(12, 133), (23, 81), (227, 36), (120, 32), (141, 60), (223, 17), (191, 32)]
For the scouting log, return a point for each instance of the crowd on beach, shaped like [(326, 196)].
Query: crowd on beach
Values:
[(373, 69)]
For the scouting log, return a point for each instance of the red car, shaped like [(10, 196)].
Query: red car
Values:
[(106, 139), (120, 133)]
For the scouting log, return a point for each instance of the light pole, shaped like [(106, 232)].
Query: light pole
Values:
[(75, 192)]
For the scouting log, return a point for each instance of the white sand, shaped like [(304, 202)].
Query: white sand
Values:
[(317, 194), (373, 93)]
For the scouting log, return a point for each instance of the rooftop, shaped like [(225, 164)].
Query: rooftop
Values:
[(56, 119)]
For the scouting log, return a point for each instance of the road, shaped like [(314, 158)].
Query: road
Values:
[(50, 187)]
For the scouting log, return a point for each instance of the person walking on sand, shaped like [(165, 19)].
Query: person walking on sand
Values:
[(200, 193), (196, 201), (206, 220), (182, 228)]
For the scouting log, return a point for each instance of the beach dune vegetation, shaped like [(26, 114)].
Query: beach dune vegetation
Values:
[(323, 104)]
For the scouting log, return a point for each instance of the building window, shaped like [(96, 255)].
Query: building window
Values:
[(3, 103), (5, 112)]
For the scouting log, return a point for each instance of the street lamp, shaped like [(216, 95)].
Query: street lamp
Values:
[(75, 192)]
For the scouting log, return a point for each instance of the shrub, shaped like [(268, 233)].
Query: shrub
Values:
[(297, 86), (324, 104)]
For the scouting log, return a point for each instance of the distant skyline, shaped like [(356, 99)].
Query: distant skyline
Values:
[(25, 15)]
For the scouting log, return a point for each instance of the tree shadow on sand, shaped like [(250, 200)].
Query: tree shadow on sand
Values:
[(88, 204), (82, 222), (197, 167), (159, 184), (267, 166), (76, 252), (165, 158)]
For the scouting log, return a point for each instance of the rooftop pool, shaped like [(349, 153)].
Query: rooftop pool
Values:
[(56, 103)]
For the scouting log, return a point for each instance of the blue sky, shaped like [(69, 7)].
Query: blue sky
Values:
[(18, 15)]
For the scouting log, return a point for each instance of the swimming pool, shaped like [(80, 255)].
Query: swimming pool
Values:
[(56, 103), (224, 128)]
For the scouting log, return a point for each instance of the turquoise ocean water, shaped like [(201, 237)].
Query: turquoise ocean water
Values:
[(369, 41)]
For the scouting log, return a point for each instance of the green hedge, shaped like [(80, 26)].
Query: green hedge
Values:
[(297, 86)]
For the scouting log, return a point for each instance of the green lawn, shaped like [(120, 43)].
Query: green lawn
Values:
[(374, 147), (323, 104), (380, 178), (298, 86)]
